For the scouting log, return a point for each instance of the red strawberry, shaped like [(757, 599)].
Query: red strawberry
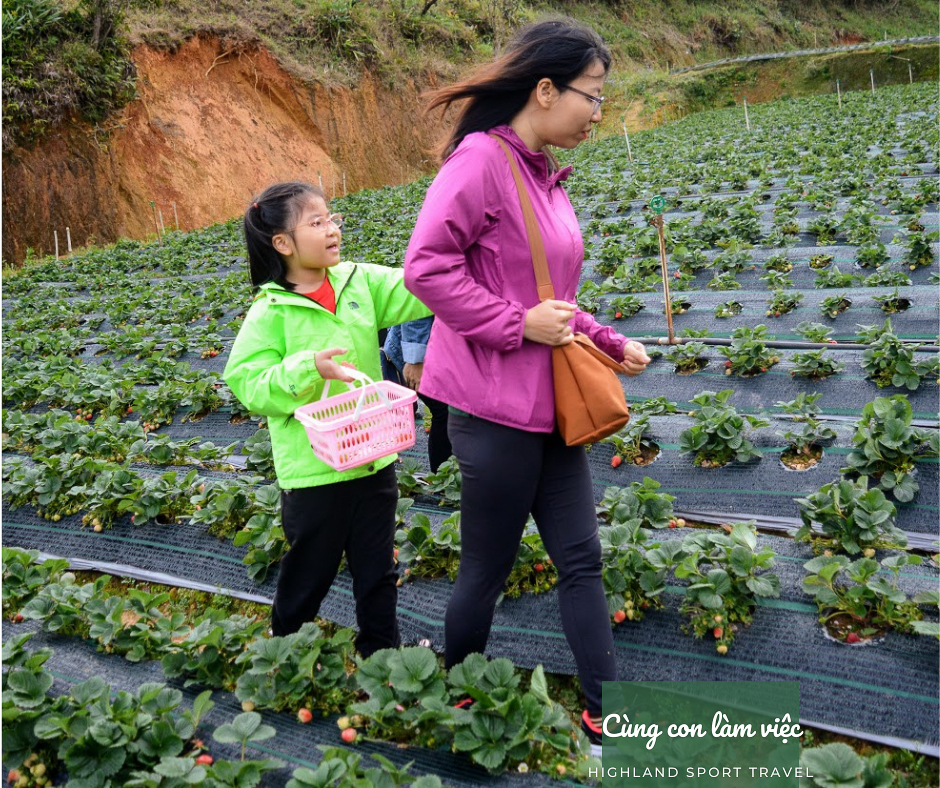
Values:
[(620, 617), (18, 618), (305, 715), (539, 568), (13, 776), (853, 637), (349, 735), (618, 315), (727, 365), (615, 461), (718, 632), (676, 274), (673, 523), (204, 760)]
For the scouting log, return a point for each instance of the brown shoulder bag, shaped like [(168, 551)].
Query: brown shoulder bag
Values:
[(589, 400)]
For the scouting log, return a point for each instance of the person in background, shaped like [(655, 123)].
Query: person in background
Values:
[(404, 350), (309, 310), (490, 354)]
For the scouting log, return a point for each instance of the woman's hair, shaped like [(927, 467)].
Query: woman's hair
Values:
[(559, 49), (274, 211)]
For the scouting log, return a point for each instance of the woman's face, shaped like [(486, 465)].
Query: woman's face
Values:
[(573, 115)]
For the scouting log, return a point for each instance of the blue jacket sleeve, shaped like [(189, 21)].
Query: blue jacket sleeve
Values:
[(414, 339)]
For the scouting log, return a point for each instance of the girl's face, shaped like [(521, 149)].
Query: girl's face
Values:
[(573, 114), (312, 245)]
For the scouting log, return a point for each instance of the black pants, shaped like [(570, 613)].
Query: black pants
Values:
[(439, 448), (355, 517), (508, 473)]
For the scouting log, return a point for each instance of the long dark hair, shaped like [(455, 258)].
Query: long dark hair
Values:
[(273, 211), (559, 49)]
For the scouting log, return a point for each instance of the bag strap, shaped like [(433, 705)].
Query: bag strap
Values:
[(543, 278)]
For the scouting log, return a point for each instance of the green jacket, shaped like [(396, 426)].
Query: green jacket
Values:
[(272, 370)]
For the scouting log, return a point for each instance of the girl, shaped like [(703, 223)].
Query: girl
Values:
[(309, 310), (489, 356)]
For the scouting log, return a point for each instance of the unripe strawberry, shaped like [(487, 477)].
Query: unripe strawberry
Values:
[(305, 715), (248, 705), (561, 769), (631, 614), (349, 735), (343, 723), (98, 529), (869, 552), (619, 617), (722, 649), (717, 618), (680, 522)]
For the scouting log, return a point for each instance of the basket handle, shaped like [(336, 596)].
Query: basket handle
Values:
[(366, 381)]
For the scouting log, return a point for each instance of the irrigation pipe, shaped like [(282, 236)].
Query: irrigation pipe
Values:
[(782, 345)]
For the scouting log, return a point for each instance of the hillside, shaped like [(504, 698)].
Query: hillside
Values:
[(115, 114)]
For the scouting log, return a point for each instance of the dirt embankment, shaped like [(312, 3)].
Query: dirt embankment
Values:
[(209, 129)]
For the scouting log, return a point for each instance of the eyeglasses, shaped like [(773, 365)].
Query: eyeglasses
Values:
[(319, 223), (597, 100)]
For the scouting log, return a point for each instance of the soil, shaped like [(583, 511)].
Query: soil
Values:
[(894, 305), (798, 461), (840, 626), (692, 367), (648, 454), (211, 127)]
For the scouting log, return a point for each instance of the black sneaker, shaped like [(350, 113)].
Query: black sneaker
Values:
[(594, 733)]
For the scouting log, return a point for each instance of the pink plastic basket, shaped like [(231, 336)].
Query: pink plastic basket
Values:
[(359, 425)]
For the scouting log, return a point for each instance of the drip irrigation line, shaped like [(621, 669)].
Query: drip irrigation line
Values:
[(916, 347)]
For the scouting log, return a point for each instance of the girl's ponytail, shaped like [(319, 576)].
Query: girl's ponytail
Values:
[(272, 212)]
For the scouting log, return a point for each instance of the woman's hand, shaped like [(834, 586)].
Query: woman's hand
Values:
[(634, 358), (412, 375), (547, 323), (331, 370)]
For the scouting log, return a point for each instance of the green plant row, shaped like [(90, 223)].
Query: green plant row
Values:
[(395, 695)]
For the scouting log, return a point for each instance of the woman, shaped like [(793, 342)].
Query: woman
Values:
[(489, 355)]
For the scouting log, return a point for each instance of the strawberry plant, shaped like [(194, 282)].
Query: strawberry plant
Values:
[(533, 571), (654, 406), (631, 584), (688, 259), (61, 606), (298, 670), (814, 332), (891, 303), (723, 281), (920, 249), (409, 481), (24, 577), (727, 574), (776, 280), (264, 534), (341, 768), (728, 309), (833, 306), (838, 764), (889, 361), (834, 279), (783, 302), (445, 483), (718, 436), (850, 516), (163, 498), (258, 449), (856, 601), (820, 261), (884, 277), (805, 447), (641, 503), (748, 353), (815, 365), (624, 306), (632, 444), (687, 357), (886, 446), (430, 554), (225, 506), (825, 227), (778, 262), (589, 297)]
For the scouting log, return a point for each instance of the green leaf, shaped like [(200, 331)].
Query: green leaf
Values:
[(539, 685), (834, 766)]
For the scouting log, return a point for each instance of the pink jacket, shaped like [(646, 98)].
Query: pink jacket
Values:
[(469, 262)]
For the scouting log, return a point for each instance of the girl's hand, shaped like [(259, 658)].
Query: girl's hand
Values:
[(329, 369), (634, 358), (547, 323)]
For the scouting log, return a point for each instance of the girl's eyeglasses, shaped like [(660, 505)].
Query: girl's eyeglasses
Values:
[(597, 100), (319, 223)]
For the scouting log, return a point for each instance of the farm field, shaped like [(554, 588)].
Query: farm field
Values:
[(780, 471)]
